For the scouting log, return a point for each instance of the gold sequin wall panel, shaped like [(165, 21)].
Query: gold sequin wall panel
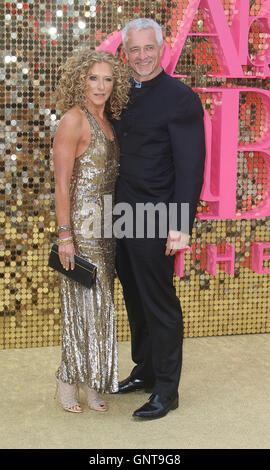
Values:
[(218, 298)]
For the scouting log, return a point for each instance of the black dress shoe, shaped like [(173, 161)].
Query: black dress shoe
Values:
[(156, 407), (130, 385)]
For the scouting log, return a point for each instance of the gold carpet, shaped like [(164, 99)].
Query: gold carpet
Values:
[(224, 402)]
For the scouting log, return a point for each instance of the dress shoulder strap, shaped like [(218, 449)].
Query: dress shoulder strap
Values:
[(88, 115)]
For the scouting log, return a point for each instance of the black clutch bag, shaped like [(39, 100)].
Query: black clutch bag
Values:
[(84, 272)]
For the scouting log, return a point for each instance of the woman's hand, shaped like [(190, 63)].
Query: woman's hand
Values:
[(66, 254)]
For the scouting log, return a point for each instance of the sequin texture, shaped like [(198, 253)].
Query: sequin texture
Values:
[(89, 341)]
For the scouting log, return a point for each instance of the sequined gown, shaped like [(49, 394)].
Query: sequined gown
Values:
[(89, 345)]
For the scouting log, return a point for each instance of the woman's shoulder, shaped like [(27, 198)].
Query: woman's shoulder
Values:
[(73, 117), (71, 125)]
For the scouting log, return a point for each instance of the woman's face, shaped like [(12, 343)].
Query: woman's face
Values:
[(99, 84)]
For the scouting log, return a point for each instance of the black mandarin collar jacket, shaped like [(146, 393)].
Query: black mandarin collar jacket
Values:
[(162, 145)]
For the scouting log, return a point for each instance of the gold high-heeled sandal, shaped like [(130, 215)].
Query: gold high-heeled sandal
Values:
[(94, 401), (68, 398)]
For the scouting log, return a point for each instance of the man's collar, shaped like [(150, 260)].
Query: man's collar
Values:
[(148, 83), (136, 83)]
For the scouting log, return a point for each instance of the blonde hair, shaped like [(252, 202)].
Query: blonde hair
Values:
[(71, 86)]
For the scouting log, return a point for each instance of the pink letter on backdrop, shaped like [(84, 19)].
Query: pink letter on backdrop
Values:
[(261, 145), (241, 23), (261, 61), (179, 262), (221, 166), (240, 28), (111, 43), (219, 32), (258, 256), (213, 258)]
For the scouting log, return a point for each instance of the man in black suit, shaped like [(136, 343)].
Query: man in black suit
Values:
[(162, 152)]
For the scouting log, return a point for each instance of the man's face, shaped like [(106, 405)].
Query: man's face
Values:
[(143, 53)]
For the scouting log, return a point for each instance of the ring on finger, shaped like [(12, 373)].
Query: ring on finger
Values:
[(72, 258)]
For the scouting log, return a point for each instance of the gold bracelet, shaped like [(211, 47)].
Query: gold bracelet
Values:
[(64, 227)]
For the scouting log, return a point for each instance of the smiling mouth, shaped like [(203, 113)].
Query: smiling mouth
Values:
[(143, 63)]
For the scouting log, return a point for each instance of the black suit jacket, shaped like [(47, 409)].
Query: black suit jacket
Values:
[(162, 145)]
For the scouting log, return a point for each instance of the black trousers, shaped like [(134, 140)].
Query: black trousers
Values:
[(154, 312)]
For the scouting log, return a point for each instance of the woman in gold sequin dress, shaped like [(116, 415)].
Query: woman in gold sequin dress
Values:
[(86, 165)]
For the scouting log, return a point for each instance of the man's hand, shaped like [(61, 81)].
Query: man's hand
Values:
[(176, 241)]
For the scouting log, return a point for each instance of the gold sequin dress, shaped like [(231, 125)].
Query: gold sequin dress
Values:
[(89, 344)]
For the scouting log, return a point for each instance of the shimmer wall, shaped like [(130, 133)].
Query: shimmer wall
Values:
[(220, 48)]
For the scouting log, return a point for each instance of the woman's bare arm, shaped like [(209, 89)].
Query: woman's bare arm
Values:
[(66, 141)]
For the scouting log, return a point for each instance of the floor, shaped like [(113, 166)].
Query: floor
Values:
[(224, 402)]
